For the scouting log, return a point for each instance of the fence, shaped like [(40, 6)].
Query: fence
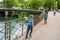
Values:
[(12, 29), (9, 30)]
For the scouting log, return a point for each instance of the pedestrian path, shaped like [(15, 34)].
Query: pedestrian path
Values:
[(49, 31)]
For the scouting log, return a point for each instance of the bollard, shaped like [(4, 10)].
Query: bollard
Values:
[(7, 31)]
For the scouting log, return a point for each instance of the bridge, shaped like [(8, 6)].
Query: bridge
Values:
[(9, 30), (49, 31)]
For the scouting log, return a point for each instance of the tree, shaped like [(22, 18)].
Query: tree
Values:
[(58, 4), (10, 3), (54, 4), (50, 4), (34, 4)]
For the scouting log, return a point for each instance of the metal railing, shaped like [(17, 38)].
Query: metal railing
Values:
[(9, 30), (12, 29)]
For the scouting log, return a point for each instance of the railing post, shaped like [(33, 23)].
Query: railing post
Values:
[(22, 28), (9, 31), (5, 30)]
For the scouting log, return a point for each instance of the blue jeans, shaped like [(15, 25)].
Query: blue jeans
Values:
[(45, 20), (54, 13), (29, 28)]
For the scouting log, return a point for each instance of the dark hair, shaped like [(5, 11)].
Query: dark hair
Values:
[(46, 11)]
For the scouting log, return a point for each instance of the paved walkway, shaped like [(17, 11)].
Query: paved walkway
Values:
[(49, 31)]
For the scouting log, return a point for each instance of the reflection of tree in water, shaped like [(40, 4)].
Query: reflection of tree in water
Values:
[(2, 14)]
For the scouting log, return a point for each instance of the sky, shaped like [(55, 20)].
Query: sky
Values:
[(1, 0)]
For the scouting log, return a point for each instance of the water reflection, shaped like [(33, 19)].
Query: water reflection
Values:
[(16, 28)]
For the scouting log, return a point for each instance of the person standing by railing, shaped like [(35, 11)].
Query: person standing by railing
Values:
[(45, 16), (54, 12), (30, 26)]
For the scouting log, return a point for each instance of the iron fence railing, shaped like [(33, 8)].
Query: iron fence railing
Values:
[(9, 30), (12, 29)]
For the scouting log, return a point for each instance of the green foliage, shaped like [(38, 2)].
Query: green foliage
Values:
[(34, 4), (23, 14), (8, 3), (50, 4), (41, 16), (54, 4), (58, 3)]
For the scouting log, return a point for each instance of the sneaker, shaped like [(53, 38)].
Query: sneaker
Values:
[(30, 36), (26, 37)]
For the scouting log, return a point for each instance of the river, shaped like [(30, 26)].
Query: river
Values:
[(16, 27)]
